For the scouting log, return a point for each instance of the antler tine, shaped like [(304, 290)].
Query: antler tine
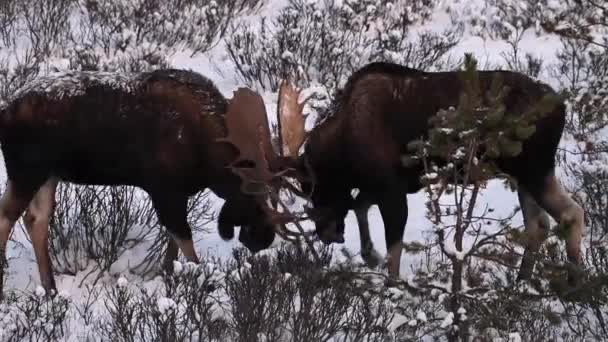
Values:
[(291, 118), (249, 132)]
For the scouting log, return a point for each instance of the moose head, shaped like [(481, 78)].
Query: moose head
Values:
[(263, 170)]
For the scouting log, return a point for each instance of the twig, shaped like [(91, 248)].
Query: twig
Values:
[(310, 244)]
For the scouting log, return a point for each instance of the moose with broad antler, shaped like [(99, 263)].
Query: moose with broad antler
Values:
[(382, 108), (172, 133), (169, 132)]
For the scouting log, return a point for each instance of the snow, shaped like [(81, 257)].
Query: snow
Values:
[(398, 321), (166, 304), (177, 267), (122, 282), (40, 292), (421, 316), (514, 337), (448, 320)]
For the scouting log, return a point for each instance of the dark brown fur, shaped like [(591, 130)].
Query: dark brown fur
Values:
[(385, 106)]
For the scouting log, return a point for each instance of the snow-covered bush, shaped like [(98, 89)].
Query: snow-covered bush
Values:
[(93, 223), (185, 307), (143, 34), (582, 70), (34, 317), (30, 32), (289, 295), (319, 44), (259, 296), (498, 19), (250, 296)]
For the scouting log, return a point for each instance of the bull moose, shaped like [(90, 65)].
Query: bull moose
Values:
[(169, 132), (385, 106)]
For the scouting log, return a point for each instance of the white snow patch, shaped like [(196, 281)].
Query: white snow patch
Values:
[(448, 320), (421, 316), (166, 304), (178, 268), (122, 282), (40, 291), (514, 337), (397, 321)]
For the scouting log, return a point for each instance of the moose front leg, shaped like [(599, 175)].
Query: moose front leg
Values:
[(171, 209), (393, 208), (36, 220), (368, 252)]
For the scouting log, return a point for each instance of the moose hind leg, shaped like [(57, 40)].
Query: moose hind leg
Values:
[(537, 225), (556, 201), (13, 203), (172, 213), (36, 220)]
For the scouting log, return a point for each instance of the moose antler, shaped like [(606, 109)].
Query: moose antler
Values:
[(291, 119), (257, 162), (248, 131)]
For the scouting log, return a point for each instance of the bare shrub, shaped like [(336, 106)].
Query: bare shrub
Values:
[(91, 224), (122, 306), (498, 19), (85, 313), (260, 297), (184, 308), (34, 317), (97, 224), (8, 18), (30, 32), (309, 42), (292, 296), (427, 52), (144, 34), (527, 64)]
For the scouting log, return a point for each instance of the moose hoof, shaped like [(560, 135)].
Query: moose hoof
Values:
[(328, 239), (576, 275), (372, 258)]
